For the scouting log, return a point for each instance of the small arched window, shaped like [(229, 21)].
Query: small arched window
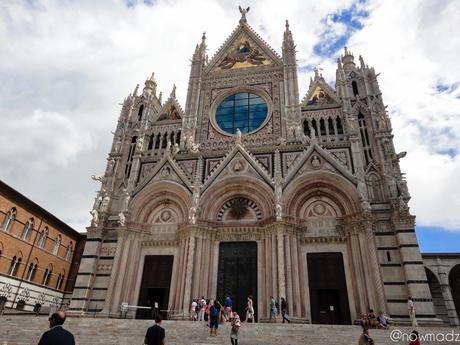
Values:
[(354, 85), (69, 251), (41, 241), (14, 266), (60, 280), (140, 112), (33, 266), (27, 230), (47, 275), (9, 220), (57, 244)]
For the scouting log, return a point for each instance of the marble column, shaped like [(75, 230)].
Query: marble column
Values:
[(281, 272), (188, 275), (296, 309)]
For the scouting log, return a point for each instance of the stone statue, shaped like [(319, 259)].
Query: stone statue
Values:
[(175, 149), (168, 146), (101, 179), (238, 137), (95, 219), (243, 12), (105, 203), (315, 162), (279, 212), (126, 199), (193, 214), (117, 146), (140, 144), (110, 166), (121, 219), (382, 121), (97, 202)]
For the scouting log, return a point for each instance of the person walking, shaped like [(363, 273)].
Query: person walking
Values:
[(236, 324), (365, 338), (250, 310), (193, 314), (273, 310), (228, 305), (284, 310), (201, 306), (214, 322), (411, 309), (57, 335), (156, 334)]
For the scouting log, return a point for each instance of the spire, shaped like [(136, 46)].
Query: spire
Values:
[(173, 92), (348, 60), (288, 42), (289, 54), (135, 90), (150, 85), (361, 62), (243, 12)]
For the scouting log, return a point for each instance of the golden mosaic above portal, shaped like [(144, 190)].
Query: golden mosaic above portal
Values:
[(243, 54)]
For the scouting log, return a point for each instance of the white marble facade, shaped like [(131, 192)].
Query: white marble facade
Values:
[(318, 175)]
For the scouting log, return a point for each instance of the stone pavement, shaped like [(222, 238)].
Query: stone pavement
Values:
[(26, 330)]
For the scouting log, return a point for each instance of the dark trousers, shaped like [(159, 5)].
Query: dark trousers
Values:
[(283, 314)]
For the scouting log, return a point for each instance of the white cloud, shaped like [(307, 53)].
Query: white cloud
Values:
[(66, 66)]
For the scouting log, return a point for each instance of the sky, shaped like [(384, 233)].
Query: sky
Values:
[(67, 65)]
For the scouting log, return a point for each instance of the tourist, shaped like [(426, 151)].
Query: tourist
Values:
[(372, 319), (228, 308), (250, 310), (236, 324), (411, 309), (57, 334), (273, 310), (383, 321), (414, 339), (364, 321), (156, 334), (365, 339), (202, 305), (206, 311), (284, 308), (193, 314), (214, 321)]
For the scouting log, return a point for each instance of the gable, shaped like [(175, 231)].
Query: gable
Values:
[(238, 162), (170, 113), (320, 95), (243, 49)]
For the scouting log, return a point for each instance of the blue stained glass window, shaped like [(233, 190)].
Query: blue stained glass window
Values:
[(246, 111)]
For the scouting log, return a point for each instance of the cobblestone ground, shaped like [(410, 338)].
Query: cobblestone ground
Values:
[(26, 330)]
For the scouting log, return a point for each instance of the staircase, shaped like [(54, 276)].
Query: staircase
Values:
[(26, 330)]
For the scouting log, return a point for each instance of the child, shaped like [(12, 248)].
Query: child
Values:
[(236, 323)]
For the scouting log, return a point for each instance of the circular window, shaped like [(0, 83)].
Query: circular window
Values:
[(244, 111)]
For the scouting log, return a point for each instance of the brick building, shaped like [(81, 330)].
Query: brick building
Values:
[(39, 254)]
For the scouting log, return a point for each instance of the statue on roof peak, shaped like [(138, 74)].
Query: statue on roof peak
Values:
[(243, 12)]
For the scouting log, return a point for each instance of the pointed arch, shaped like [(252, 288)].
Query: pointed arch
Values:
[(42, 238), (9, 219), (27, 230), (57, 244), (69, 251), (140, 112)]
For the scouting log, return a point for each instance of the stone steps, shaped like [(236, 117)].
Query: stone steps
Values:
[(26, 330)]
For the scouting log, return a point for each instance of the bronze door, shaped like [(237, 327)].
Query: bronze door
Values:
[(237, 274), (155, 285), (328, 289)]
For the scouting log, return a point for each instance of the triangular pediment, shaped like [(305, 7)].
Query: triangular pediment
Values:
[(243, 49), (166, 169), (319, 96), (170, 111), (317, 159), (238, 162)]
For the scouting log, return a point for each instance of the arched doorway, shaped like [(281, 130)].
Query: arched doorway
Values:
[(436, 294), (454, 282)]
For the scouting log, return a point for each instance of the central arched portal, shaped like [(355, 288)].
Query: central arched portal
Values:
[(237, 274)]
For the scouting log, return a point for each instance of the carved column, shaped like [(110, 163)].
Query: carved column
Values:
[(189, 275), (296, 309), (281, 272)]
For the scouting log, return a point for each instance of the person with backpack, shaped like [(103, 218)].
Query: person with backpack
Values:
[(214, 322), (228, 308), (236, 324), (284, 310)]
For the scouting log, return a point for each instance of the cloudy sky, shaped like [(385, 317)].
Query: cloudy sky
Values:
[(66, 66)]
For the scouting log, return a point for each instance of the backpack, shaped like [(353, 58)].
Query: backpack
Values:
[(214, 311)]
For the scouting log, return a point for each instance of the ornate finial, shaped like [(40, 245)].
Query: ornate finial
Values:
[(160, 96), (173, 92), (243, 14), (203, 38), (135, 90), (238, 137), (152, 77), (287, 25), (346, 50)]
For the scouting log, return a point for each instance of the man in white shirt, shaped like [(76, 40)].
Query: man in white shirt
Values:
[(202, 308), (411, 309), (193, 310)]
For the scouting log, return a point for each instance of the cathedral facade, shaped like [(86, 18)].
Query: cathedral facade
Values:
[(252, 190)]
